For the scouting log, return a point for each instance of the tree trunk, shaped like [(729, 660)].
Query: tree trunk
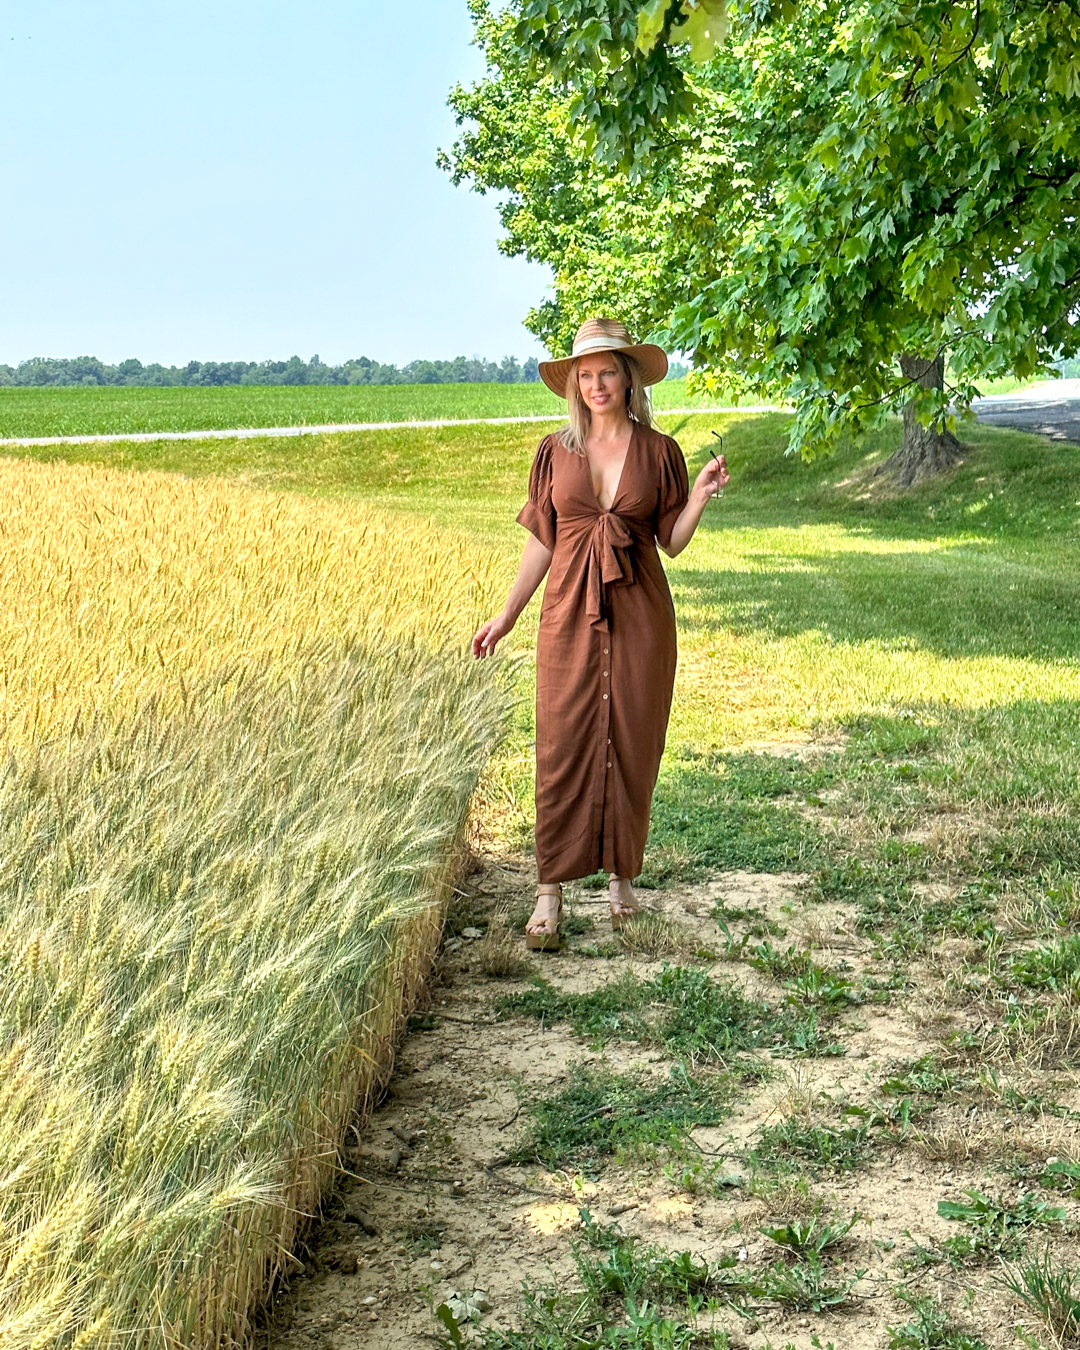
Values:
[(924, 451)]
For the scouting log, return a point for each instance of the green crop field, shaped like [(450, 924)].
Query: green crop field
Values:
[(83, 411)]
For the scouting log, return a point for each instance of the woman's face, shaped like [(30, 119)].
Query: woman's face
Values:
[(602, 383)]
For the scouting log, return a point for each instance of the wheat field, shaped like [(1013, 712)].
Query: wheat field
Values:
[(240, 751), (116, 586)]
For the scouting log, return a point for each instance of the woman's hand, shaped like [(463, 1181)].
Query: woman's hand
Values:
[(483, 644), (713, 477)]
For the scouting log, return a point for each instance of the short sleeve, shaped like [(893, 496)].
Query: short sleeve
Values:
[(674, 489), (538, 513)]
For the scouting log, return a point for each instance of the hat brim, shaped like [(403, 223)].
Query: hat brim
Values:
[(650, 360)]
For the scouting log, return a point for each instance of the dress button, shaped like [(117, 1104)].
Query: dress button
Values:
[(606, 651), (605, 695), (609, 742), (605, 674), (609, 763)]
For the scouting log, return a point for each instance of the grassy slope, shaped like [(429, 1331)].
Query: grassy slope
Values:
[(810, 597), (89, 411)]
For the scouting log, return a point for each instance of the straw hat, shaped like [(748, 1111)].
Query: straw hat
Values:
[(605, 335)]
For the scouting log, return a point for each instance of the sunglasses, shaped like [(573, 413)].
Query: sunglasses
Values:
[(719, 491)]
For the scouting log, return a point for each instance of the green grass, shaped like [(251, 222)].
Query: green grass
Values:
[(603, 1114), (686, 1012), (79, 411), (799, 1145)]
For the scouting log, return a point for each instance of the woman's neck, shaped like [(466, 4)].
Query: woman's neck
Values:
[(609, 426)]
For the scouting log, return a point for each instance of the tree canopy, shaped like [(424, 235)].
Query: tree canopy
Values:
[(813, 197)]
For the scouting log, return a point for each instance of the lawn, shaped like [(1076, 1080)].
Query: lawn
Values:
[(82, 411)]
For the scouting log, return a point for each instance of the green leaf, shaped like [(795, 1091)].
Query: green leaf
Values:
[(705, 29), (650, 24), (447, 1318)]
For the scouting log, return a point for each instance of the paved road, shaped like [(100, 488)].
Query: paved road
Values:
[(1051, 409), (246, 433)]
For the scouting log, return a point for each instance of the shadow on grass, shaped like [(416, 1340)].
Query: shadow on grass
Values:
[(956, 602)]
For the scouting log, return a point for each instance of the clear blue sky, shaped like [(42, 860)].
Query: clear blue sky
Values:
[(226, 179)]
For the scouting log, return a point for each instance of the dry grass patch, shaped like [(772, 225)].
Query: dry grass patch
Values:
[(657, 936), (499, 953)]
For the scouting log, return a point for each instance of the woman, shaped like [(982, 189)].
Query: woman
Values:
[(603, 492)]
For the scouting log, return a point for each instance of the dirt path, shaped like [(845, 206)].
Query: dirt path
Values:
[(431, 1212)]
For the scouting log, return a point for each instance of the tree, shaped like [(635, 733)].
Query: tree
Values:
[(637, 242), (907, 228)]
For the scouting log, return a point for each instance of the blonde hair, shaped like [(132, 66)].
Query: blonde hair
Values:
[(576, 432)]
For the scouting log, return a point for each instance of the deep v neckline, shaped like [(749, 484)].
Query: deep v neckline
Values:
[(622, 472)]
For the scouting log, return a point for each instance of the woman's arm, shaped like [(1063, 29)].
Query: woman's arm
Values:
[(712, 477), (535, 561)]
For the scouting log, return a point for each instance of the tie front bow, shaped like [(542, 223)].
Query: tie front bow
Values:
[(609, 563)]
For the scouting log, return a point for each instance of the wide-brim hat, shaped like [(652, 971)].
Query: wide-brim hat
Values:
[(606, 335)]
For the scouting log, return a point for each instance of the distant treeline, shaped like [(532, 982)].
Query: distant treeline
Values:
[(88, 370)]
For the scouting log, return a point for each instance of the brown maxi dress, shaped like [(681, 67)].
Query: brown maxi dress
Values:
[(605, 663)]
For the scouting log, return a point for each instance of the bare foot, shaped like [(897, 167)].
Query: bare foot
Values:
[(545, 916), (621, 896)]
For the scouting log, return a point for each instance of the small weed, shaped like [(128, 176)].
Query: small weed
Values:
[(1062, 1175), (1054, 967), (604, 1114), (783, 1192), (994, 1227), (929, 1328), (812, 1238), (781, 965), (757, 921), (923, 1078), (421, 1238), (701, 1178), (807, 1286), (625, 1288), (1052, 1292), (807, 982), (826, 1148), (1022, 1102), (631, 1270), (656, 936), (608, 950)]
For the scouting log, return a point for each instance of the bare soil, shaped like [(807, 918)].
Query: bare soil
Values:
[(426, 1210)]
